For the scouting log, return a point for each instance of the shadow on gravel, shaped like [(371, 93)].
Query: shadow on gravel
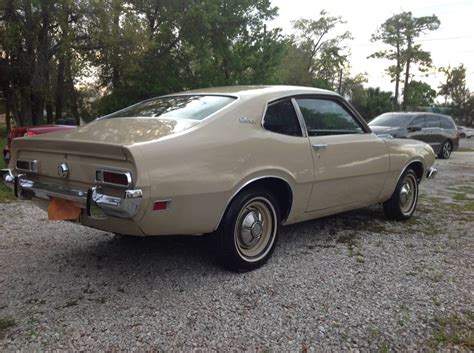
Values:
[(138, 259)]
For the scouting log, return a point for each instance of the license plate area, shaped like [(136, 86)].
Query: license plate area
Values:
[(63, 210)]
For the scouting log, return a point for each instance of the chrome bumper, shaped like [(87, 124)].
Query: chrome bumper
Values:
[(431, 173), (96, 203)]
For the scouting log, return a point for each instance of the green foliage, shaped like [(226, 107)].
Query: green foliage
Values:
[(371, 102), (455, 89), (315, 55), (420, 94)]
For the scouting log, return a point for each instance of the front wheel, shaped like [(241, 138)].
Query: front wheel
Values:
[(446, 150), (248, 232), (402, 204)]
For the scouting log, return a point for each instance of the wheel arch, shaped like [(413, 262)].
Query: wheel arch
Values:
[(279, 187)]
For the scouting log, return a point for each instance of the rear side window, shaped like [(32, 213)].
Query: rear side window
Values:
[(432, 121), (281, 118), (446, 123), (327, 117)]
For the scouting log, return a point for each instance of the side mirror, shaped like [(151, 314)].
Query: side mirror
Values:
[(413, 128)]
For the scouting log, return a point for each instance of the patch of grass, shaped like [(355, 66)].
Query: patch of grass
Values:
[(462, 196), (6, 323), (457, 329), (6, 194)]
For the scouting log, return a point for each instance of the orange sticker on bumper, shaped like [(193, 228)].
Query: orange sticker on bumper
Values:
[(62, 210)]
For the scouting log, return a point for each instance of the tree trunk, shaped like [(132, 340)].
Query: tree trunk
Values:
[(7, 115), (49, 113), (397, 77), (407, 78), (26, 109), (60, 88)]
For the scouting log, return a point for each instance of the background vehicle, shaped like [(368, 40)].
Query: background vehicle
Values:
[(29, 131), (465, 132), (438, 130)]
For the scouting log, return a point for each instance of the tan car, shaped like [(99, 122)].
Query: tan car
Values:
[(234, 161)]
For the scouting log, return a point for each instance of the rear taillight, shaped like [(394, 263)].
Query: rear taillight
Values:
[(27, 166), (30, 133), (113, 177)]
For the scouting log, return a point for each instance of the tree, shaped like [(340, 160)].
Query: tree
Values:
[(371, 102), (455, 89), (420, 94), (399, 32), (315, 55)]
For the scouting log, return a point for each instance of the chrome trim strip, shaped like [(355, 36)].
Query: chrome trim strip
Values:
[(300, 116), (248, 183)]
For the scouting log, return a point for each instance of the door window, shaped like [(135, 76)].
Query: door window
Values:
[(327, 117), (281, 118), (432, 121), (419, 121)]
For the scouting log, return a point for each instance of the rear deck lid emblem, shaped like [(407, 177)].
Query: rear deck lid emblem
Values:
[(63, 170)]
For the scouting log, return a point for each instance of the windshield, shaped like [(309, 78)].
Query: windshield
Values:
[(391, 119), (177, 107)]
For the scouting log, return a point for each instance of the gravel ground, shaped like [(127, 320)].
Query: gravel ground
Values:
[(353, 281)]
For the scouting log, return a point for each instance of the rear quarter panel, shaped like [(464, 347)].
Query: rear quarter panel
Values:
[(200, 170)]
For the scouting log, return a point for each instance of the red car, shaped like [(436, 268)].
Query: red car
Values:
[(30, 131)]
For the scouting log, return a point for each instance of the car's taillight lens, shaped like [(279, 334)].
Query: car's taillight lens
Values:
[(113, 177)]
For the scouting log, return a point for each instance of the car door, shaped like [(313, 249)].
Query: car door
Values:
[(413, 132), (350, 162), (434, 134)]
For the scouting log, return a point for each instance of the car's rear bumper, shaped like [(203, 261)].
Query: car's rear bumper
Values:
[(94, 201), (431, 173)]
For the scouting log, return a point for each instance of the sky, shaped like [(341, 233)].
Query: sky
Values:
[(452, 44)]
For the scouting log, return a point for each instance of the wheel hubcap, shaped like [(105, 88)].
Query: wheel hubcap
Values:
[(255, 229), (408, 194), (447, 149)]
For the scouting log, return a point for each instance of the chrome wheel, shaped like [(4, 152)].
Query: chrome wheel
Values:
[(255, 229), (446, 150), (408, 194)]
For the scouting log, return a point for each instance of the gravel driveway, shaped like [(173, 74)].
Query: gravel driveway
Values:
[(353, 281)]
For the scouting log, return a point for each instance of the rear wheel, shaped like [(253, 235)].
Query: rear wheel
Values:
[(248, 232), (463, 135), (402, 204), (446, 150)]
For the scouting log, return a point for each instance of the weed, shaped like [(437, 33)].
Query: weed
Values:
[(6, 323), (456, 329)]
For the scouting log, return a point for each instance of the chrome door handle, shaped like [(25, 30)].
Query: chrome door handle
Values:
[(319, 146)]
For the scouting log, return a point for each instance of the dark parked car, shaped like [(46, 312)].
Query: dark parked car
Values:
[(438, 130)]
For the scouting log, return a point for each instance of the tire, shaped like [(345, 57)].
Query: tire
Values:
[(446, 150), (402, 204), (463, 135), (248, 233)]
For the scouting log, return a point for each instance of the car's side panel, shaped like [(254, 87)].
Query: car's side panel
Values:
[(201, 173)]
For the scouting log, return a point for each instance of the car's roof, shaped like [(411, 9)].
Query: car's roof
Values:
[(256, 91), (412, 114)]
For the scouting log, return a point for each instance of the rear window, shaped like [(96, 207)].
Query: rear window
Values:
[(392, 120), (178, 107)]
